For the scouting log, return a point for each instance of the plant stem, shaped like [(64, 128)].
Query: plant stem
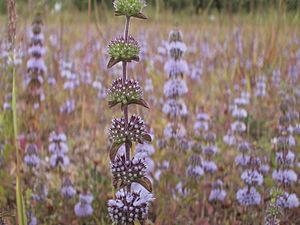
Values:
[(127, 145)]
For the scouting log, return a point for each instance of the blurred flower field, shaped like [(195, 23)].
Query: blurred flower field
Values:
[(188, 120)]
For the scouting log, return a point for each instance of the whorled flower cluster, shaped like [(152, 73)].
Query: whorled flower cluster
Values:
[(127, 171), (129, 207), (31, 157), (84, 207), (134, 131), (121, 50), (58, 149), (129, 92)]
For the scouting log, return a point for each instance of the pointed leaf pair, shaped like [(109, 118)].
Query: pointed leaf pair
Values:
[(139, 15), (141, 102), (113, 61)]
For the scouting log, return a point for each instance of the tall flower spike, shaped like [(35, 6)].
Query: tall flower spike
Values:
[(129, 206), (284, 175), (175, 87)]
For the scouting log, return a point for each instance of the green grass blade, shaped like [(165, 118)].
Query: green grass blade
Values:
[(19, 197)]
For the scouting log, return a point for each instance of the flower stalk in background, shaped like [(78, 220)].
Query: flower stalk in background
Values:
[(175, 87)]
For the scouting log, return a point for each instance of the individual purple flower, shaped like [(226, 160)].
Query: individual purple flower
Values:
[(252, 177)]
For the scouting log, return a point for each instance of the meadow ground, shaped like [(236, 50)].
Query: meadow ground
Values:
[(253, 57)]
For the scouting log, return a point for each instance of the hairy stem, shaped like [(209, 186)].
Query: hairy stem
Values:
[(127, 145)]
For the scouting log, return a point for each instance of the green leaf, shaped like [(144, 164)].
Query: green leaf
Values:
[(114, 150), (22, 220), (112, 103), (112, 62), (140, 16), (141, 102), (145, 182), (147, 137)]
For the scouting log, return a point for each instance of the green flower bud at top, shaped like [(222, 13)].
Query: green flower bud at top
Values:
[(120, 50), (129, 7)]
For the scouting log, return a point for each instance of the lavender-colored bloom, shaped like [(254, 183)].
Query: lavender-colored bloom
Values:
[(285, 176), (32, 219), (276, 78), (209, 166), (173, 131), (146, 147), (68, 106), (129, 206), (40, 192), (242, 160), (175, 108), (285, 158), (59, 159), (229, 139), (31, 157), (296, 130), (149, 85), (58, 142), (84, 208), (195, 171), (175, 87), (67, 190), (261, 87), (177, 45), (238, 126), (239, 113), (210, 150), (288, 201), (175, 68), (252, 177), (217, 195), (58, 148), (181, 190), (248, 196)]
